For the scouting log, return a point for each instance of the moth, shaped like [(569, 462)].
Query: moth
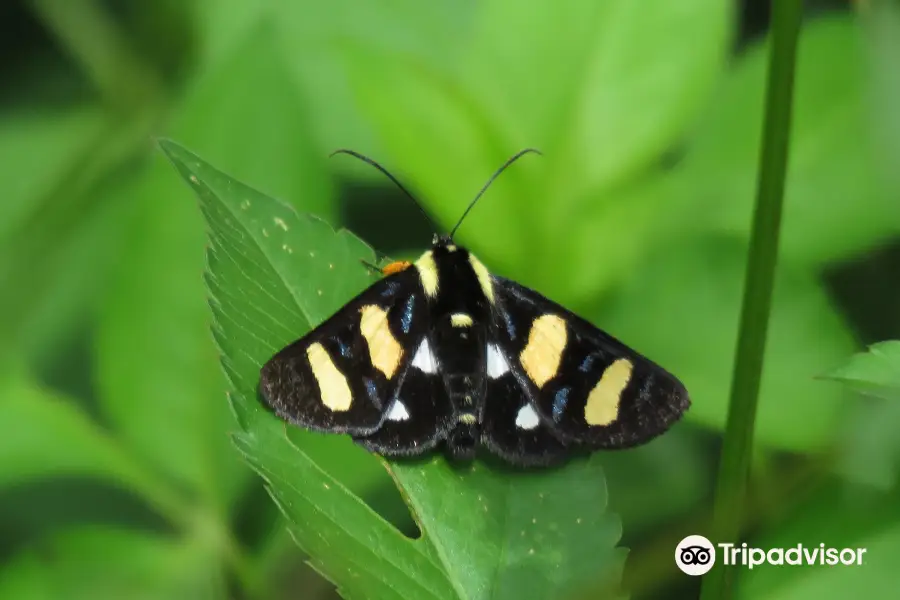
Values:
[(441, 352)]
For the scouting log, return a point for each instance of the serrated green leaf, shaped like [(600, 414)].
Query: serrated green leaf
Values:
[(875, 372), (92, 563), (485, 534), (44, 435), (253, 243), (837, 205), (682, 310)]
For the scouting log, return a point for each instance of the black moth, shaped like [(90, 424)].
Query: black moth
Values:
[(441, 351)]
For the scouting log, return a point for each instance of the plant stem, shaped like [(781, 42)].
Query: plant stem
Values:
[(734, 467)]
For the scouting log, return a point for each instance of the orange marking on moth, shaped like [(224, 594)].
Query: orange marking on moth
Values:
[(395, 267)]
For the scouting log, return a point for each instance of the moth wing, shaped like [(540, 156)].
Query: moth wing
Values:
[(342, 376), (421, 413), (592, 389), (511, 427)]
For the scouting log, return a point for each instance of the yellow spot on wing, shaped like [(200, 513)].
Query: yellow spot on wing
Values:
[(384, 349), (543, 352), (460, 320), (280, 222), (484, 277), (428, 274), (333, 386), (602, 406)]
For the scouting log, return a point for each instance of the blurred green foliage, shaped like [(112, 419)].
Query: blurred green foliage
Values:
[(117, 475)]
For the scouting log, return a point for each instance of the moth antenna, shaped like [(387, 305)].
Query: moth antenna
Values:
[(368, 160), (513, 159)]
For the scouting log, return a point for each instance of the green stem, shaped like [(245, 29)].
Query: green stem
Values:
[(728, 511), (86, 32)]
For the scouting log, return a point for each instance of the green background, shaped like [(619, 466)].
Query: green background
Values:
[(118, 474)]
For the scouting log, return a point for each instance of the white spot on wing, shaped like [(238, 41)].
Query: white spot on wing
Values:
[(527, 418), (424, 358), (496, 362), (398, 412)]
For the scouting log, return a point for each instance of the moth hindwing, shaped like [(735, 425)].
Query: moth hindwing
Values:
[(441, 352)]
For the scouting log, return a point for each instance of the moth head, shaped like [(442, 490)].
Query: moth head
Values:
[(439, 240)]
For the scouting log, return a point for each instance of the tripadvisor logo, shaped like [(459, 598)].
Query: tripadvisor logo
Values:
[(696, 555)]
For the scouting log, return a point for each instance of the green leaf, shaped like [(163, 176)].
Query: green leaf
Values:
[(681, 309), (836, 204), (640, 477), (516, 535), (44, 290), (248, 115), (159, 381), (309, 32), (456, 148), (57, 258), (583, 80), (221, 27), (44, 435), (48, 303), (36, 151), (882, 19), (871, 449), (876, 372), (93, 563), (485, 534)]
